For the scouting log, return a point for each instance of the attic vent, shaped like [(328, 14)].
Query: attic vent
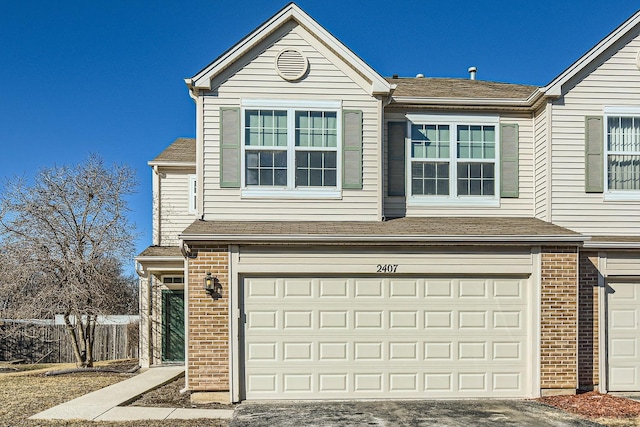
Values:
[(291, 64)]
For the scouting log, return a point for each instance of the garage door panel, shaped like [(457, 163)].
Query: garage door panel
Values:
[(623, 355), (377, 382), (381, 338)]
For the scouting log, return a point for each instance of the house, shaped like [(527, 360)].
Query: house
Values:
[(334, 234)]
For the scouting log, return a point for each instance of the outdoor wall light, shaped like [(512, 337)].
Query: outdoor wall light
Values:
[(213, 286)]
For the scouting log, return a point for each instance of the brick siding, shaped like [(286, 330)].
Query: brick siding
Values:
[(558, 325), (588, 351), (208, 346)]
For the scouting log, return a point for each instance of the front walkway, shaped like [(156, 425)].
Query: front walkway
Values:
[(103, 404)]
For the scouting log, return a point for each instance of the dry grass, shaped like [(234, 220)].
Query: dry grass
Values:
[(26, 395)]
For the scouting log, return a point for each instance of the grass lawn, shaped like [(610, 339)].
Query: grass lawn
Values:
[(27, 394)]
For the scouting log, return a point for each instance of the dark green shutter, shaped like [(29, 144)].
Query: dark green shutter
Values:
[(352, 149), (593, 155), (396, 132), (509, 168), (229, 147)]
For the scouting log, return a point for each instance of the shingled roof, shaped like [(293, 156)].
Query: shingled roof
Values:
[(182, 150), (401, 229), (161, 251), (423, 87)]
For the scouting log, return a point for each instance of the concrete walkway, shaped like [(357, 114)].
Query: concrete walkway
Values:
[(103, 404)]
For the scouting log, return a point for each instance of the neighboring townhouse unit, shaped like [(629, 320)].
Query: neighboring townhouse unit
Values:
[(334, 234)]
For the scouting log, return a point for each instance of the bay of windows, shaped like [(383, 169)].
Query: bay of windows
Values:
[(290, 148), (452, 160)]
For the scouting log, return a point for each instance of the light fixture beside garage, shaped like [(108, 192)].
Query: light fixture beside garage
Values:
[(213, 286)]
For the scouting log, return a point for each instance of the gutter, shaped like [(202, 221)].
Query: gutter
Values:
[(172, 164), (306, 238), (528, 102), (611, 245), (158, 258)]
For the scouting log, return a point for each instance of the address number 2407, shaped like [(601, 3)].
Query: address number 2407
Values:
[(387, 268)]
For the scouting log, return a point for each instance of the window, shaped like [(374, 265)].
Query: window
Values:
[(290, 147), (172, 280), (193, 206), (452, 159), (623, 153)]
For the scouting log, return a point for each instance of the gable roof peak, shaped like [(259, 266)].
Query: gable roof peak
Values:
[(554, 88), (202, 80)]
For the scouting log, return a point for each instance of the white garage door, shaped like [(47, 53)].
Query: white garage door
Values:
[(624, 346), (337, 338)]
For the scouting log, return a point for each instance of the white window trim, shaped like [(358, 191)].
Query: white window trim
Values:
[(291, 192), (608, 194), (453, 121), (193, 193)]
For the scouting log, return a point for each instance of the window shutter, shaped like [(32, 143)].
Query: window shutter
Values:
[(509, 168), (352, 149), (396, 158), (593, 155), (229, 147)]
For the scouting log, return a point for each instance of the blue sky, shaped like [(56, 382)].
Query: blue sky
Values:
[(106, 77)]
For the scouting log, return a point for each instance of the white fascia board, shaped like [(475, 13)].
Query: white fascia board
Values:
[(554, 88), (611, 245), (202, 80), (171, 164), (158, 258), (493, 102), (379, 86), (381, 238)]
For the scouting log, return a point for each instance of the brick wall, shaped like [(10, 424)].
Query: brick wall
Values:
[(559, 316), (208, 346), (588, 378)]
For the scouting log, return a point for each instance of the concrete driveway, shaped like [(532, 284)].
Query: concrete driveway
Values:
[(465, 413)]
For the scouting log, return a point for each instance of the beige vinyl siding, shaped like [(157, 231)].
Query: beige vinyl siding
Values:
[(174, 204), (352, 260), (622, 264), (256, 78), (541, 167), (521, 206), (615, 81)]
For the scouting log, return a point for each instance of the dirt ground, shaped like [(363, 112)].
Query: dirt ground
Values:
[(26, 393), (602, 408), (169, 396)]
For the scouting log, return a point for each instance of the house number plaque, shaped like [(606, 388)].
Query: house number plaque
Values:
[(387, 268)]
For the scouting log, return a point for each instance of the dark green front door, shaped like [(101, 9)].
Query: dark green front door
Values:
[(172, 326)]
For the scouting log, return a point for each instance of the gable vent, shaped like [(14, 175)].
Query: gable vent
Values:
[(291, 64)]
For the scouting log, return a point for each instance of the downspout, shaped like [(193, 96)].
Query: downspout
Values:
[(383, 102), (549, 171), (186, 319), (156, 205)]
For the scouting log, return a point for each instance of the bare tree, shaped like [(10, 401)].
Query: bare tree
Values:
[(64, 237)]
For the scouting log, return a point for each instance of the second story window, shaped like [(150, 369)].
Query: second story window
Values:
[(623, 153), (452, 159), (291, 148)]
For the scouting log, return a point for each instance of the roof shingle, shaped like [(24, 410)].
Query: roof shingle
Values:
[(422, 87), (161, 251), (181, 150), (421, 228)]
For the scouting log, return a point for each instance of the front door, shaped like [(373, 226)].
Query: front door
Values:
[(172, 326)]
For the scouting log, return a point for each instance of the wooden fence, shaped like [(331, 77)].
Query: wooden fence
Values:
[(51, 344)]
